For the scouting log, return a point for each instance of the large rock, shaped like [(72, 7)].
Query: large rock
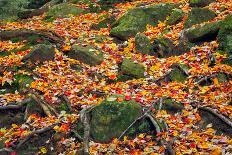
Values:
[(200, 3), (136, 20), (40, 53), (142, 44), (104, 23), (132, 69), (111, 118), (9, 9), (204, 32), (164, 47), (199, 15), (175, 17), (225, 39), (88, 54), (63, 10)]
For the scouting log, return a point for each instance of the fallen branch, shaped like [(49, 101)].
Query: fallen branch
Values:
[(6, 150), (9, 34), (85, 120), (39, 131), (140, 118), (214, 112), (17, 105), (154, 123)]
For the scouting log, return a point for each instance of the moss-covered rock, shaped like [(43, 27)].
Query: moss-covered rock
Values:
[(200, 3), (136, 20), (111, 118), (88, 54), (142, 44), (199, 15), (9, 9), (40, 53), (175, 17), (132, 69), (104, 23), (205, 32), (164, 47), (172, 106), (178, 73), (225, 38), (63, 10)]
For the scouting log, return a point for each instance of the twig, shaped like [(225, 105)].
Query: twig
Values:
[(42, 105), (17, 105), (214, 112), (85, 120), (39, 131), (154, 123), (6, 150), (139, 118)]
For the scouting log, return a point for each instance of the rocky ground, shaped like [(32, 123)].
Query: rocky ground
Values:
[(115, 77)]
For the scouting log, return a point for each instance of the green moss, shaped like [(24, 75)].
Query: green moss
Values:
[(9, 9), (175, 17), (200, 3), (22, 81), (88, 54), (142, 44), (206, 32), (110, 119), (225, 36), (132, 69), (177, 75), (172, 106), (136, 20), (199, 15), (63, 10)]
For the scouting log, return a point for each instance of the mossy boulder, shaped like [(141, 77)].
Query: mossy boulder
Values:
[(200, 3), (63, 10), (9, 9), (175, 17), (104, 23), (132, 69), (199, 15), (225, 38), (142, 44), (206, 32), (111, 118), (172, 106), (88, 54), (179, 73), (164, 47), (136, 20), (40, 53)]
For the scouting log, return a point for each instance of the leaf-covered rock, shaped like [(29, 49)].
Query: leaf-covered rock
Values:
[(111, 118), (179, 73), (200, 3), (88, 54), (204, 32), (172, 106), (136, 20), (199, 15), (40, 53), (175, 17), (132, 69), (142, 44)]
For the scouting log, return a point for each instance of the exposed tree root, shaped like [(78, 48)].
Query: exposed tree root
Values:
[(17, 105), (214, 112), (51, 36), (39, 131)]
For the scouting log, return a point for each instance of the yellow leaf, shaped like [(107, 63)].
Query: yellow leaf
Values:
[(215, 81), (43, 150)]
